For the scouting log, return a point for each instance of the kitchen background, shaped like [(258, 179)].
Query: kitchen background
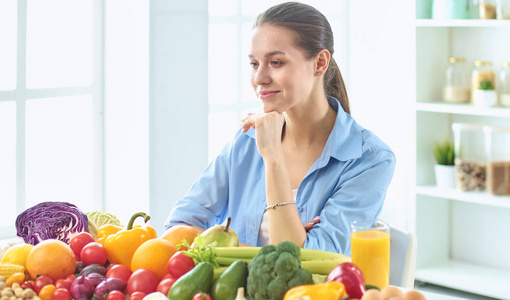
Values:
[(118, 105)]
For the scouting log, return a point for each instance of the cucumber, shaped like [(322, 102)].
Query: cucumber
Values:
[(234, 277), (199, 279)]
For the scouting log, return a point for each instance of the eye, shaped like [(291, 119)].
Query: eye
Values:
[(276, 63), (253, 64)]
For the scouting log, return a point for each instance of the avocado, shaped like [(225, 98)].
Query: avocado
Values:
[(234, 277), (199, 279)]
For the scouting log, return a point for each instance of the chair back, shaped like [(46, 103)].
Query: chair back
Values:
[(402, 258)]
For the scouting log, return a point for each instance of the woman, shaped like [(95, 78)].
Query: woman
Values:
[(304, 158)]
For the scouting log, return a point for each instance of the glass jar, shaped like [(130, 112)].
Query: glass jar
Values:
[(497, 146), (483, 72), (503, 9), (504, 84), (487, 9), (470, 166), (457, 81)]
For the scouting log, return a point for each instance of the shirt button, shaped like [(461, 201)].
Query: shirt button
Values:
[(300, 208)]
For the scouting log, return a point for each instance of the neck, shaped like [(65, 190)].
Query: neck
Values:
[(309, 123)]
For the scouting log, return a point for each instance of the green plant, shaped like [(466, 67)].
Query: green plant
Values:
[(444, 153), (486, 85)]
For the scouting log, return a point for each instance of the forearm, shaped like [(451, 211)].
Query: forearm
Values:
[(284, 221)]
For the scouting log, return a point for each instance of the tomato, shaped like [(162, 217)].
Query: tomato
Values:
[(179, 264), (46, 292), (120, 272), (62, 284), (29, 284), (79, 241), (61, 294), (168, 275), (70, 278), (165, 285), (201, 296), (15, 278), (142, 280), (93, 253), (116, 295), (137, 296), (41, 282)]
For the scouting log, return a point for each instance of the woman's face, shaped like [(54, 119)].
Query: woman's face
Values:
[(281, 75)]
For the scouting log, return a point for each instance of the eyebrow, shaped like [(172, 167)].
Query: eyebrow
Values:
[(272, 53)]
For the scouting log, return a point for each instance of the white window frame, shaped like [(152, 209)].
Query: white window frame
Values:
[(21, 94)]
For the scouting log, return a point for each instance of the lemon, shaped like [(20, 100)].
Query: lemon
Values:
[(17, 254)]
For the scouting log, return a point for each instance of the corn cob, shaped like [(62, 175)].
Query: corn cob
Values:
[(6, 270)]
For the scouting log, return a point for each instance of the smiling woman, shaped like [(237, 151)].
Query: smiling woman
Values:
[(303, 157)]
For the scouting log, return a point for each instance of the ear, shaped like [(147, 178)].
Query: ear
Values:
[(322, 62)]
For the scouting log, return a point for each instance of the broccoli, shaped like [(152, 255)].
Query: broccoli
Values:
[(275, 270)]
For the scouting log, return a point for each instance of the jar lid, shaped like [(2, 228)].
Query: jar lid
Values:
[(452, 59), (506, 64), (482, 63)]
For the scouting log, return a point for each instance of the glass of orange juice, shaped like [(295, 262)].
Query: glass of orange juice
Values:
[(370, 250)]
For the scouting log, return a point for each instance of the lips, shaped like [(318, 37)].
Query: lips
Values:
[(263, 95)]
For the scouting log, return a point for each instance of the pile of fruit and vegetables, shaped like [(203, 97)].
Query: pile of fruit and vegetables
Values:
[(69, 254)]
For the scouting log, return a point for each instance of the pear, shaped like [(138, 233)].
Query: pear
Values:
[(222, 235)]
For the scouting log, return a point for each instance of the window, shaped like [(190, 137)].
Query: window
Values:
[(50, 105), (230, 93)]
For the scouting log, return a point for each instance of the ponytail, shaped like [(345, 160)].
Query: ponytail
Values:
[(334, 85)]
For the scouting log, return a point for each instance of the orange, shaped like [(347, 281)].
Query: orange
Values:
[(51, 257), (153, 255), (176, 234), (17, 254)]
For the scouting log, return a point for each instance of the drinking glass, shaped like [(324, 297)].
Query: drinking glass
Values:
[(370, 250)]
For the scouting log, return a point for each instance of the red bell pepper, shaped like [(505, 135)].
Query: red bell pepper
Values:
[(352, 278)]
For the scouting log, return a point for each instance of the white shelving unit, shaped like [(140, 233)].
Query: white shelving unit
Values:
[(463, 237)]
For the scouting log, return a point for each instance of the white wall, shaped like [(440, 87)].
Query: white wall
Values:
[(381, 87), (178, 107)]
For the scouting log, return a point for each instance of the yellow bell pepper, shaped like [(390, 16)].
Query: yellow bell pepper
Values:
[(104, 231), (122, 245), (322, 291)]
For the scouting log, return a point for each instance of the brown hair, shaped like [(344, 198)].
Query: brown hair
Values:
[(313, 33)]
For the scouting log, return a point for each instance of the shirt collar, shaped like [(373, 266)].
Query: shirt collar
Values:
[(344, 141)]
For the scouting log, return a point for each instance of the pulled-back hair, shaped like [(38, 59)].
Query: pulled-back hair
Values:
[(313, 33)]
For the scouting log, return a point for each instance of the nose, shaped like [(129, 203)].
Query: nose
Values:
[(261, 76)]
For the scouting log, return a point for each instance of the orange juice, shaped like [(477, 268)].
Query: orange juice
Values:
[(370, 251)]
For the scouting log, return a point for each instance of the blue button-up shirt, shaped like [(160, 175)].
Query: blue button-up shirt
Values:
[(347, 182)]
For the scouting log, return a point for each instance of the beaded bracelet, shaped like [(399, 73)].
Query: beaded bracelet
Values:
[(279, 204)]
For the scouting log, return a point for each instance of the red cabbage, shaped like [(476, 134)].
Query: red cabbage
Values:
[(50, 220)]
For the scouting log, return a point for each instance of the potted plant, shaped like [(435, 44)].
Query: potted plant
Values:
[(485, 95), (444, 154)]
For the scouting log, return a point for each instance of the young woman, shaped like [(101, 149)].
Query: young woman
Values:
[(303, 169)]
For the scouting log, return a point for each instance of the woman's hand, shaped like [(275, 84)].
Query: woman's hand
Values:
[(268, 129), (309, 225)]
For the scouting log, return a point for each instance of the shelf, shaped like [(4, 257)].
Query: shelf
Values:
[(462, 23), (468, 277), (463, 109), (483, 198)]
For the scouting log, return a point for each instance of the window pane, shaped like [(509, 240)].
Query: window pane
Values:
[(222, 7), (59, 43), (59, 151), (222, 128), (248, 92), (8, 162), (251, 7), (222, 63), (8, 36)]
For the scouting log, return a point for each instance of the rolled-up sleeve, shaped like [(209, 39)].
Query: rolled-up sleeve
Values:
[(208, 196), (359, 195)]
